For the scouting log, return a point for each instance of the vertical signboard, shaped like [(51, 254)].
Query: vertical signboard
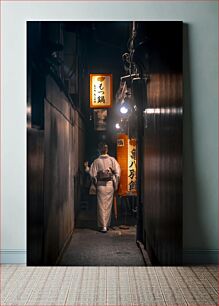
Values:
[(132, 178), (100, 90), (122, 158), (126, 156)]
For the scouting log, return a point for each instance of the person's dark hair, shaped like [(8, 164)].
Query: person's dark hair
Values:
[(101, 145)]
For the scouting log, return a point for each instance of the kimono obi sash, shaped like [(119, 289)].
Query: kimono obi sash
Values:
[(105, 174)]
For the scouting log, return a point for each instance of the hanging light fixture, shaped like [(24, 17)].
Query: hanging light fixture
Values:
[(124, 109), (117, 126)]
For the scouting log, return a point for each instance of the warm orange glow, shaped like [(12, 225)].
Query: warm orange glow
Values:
[(122, 157), (100, 90), (132, 142), (132, 163), (126, 156)]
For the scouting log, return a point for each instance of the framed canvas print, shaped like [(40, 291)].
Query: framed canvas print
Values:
[(104, 106)]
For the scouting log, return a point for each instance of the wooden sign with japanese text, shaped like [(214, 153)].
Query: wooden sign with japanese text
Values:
[(126, 156), (101, 90), (132, 177), (122, 158)]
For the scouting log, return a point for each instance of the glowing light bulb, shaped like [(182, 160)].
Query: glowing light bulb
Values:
[(124, 110), (117, 125)]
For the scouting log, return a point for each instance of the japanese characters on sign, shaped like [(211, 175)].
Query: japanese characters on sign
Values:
[(100, 90), (132, 178), (127, 158)]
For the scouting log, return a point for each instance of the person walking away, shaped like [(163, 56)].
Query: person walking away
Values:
[(105, 172)]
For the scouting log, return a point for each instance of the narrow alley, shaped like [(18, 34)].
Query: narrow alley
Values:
[(104, 109)]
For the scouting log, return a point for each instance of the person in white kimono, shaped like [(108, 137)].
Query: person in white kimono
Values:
[(105, 173)]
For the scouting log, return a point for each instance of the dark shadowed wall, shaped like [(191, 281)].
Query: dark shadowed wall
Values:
[(35, 195), (163, 170), (55, 141), (161, 139), (59, 171)]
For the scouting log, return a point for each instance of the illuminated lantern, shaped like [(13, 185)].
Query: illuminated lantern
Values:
[(126, 156), (101, 90), (132, 167)]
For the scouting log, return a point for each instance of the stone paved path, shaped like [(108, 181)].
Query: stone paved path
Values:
[(117, 247)]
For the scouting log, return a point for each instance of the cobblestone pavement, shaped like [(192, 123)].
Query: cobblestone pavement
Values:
[(117, 247)]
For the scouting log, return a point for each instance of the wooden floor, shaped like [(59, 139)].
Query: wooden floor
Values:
[(21, 285)]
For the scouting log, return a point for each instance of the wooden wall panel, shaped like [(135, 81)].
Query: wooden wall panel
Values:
[(78, 165), (163, 169), (55, 170), (59, 174)]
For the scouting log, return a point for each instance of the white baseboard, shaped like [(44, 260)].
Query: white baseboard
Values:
[(200, 257), (13, 256)]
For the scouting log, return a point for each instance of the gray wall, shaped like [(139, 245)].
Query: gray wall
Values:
[(200, 116)]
